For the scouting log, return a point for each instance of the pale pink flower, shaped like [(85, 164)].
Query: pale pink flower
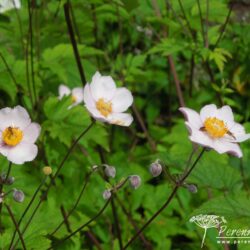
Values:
[(106, 102), (215, 128), (6, 5), (76, 94), (18, 135)]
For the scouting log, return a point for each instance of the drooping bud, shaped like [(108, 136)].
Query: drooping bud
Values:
[(155, 168), (47, 170), (2, 177), (10, 180), (135, 181), (106, 194), (192, 188), (18, 195), (110, 171)]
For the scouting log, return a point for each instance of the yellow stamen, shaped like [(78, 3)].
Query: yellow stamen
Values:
[(215, 127), (105, 108), (73, 99), (12, 136)]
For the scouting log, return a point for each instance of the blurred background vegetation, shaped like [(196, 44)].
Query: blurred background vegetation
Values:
[(169, 53)]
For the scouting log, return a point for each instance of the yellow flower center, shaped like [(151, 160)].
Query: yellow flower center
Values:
[(215, 127), (12, 136), (73, 99), (105, 108)]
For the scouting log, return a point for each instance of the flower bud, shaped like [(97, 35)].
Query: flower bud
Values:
[(47, 170), (2, 177), (10, 180), (18, 195), (192, 188), (110, 171), (155, 169), (135, 181), (106, 194)]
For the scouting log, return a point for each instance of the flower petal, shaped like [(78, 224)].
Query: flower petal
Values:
[(122, 100), (22, 152), (31, 133), (16, 117), (64, 91), (225, 113), (192, 117), (96, 114), (87, 96), (78, 94), (201, 138), (102, 87), (222, 146), (121, 119), (239, 133), (208, 111)]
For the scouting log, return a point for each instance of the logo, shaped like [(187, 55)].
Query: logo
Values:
[(226, 235), (206, 221)]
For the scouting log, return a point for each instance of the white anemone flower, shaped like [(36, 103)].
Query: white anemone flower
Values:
[(215, 128), (18, 135), (106, 102), (6, 5), (76, 94)]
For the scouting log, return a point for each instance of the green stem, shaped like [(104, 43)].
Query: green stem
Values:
[(170, 198)]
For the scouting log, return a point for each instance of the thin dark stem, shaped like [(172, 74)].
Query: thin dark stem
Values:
[(8, 171), (176, 81), (95, 30), (20, 27), (224, 25), (57, 9), (74, 24), (116, 221), (206, 32), (170, 7), (143, 126), (44, 195), (120, 30), (27, 208), (1, 189), (84, 225), (8, 69), (185, 17), (170, 198), (76, 203), (191, 76), (94, 239), (66, 7), (65, 219), (27, 67), (171, 62), (30, 7), (133, 223), (201, 20), (71, 149), (16, 226)]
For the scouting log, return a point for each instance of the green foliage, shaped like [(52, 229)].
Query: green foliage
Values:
[(131, 41)]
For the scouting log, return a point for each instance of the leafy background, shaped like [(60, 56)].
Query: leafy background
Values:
[(132, 42)]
